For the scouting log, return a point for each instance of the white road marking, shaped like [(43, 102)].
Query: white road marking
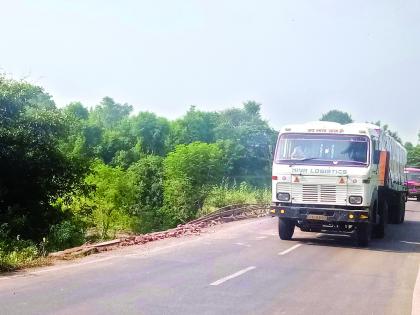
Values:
[(415, 243), (234, 275), (243, 244), (261, 237), (290, 249), (415, 308)]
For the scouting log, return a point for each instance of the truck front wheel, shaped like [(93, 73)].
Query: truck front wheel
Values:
[(286, 229), (379, 229), (363, 232)]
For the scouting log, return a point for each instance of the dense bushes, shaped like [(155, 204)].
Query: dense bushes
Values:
[(146, 177), (190, 171), (16, 254)]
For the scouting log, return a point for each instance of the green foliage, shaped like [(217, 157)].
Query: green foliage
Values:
[(413, 155), (66, 234), (77, 111), (190, 171), (14, 252), (224, 194), (110, 200), (34, 170), (106, 204), (109, 113), (249, 146), (194, 126), (337, 116), (17, 254), (151, 131), (147, 178)]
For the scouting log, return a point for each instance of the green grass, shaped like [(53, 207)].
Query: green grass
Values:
[(224, 195), (18, 254)]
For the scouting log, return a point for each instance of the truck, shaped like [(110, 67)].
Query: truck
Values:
[(413, 182), (338, 178)]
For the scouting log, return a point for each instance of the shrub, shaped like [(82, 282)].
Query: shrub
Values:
[(190, 171), (146, 177), (225, 194), (69, 233), (15, 254)]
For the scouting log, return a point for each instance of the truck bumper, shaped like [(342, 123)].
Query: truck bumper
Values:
[(320, 214)]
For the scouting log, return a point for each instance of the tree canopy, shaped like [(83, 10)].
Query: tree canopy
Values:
[(337, 116)]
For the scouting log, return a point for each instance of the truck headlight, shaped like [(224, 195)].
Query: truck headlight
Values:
[(355, 200), (281, 196)]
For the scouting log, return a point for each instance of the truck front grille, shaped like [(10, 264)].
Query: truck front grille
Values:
[(324, 194)]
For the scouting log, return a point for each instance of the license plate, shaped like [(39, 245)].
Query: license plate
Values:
[(318, 217)]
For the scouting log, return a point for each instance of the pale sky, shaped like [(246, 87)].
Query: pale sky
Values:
[(298, 58)]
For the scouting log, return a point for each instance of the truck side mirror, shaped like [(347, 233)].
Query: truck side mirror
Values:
[(376, 155)]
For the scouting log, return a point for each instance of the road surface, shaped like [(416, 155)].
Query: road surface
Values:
[(239, 268)]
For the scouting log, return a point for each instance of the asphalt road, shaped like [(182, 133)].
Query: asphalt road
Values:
[(239, 268)]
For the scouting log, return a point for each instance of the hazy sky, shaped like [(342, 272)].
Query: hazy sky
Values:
[(298, 58)]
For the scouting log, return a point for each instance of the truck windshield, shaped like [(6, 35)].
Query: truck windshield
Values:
[(322, 149)]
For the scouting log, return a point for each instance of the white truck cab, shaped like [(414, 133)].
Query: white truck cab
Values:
[(338, 178)]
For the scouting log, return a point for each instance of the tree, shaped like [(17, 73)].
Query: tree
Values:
[(252, 108), (337, 116), (76, 110), (109, 113), (413, 154), (194, 126), (147, 178), (151, 131), (34, 170), (109, 200), (189, 172), (251, 141)]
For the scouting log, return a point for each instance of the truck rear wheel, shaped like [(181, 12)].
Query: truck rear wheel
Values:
[(398, 209), (363, 232), (379, 229), (418, 198), (286, 229), (402, 214)]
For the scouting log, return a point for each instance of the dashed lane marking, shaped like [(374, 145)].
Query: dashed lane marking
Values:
[(234, 275), (290, 249), (261, 237), (243, 244)]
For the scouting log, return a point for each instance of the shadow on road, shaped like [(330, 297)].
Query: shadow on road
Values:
[(403, 238)]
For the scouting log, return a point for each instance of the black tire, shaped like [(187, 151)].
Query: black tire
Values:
[(418, 198), (398, 211), (379, 229), (363, 232), (402, 209), (395, 209), (286, 229)]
